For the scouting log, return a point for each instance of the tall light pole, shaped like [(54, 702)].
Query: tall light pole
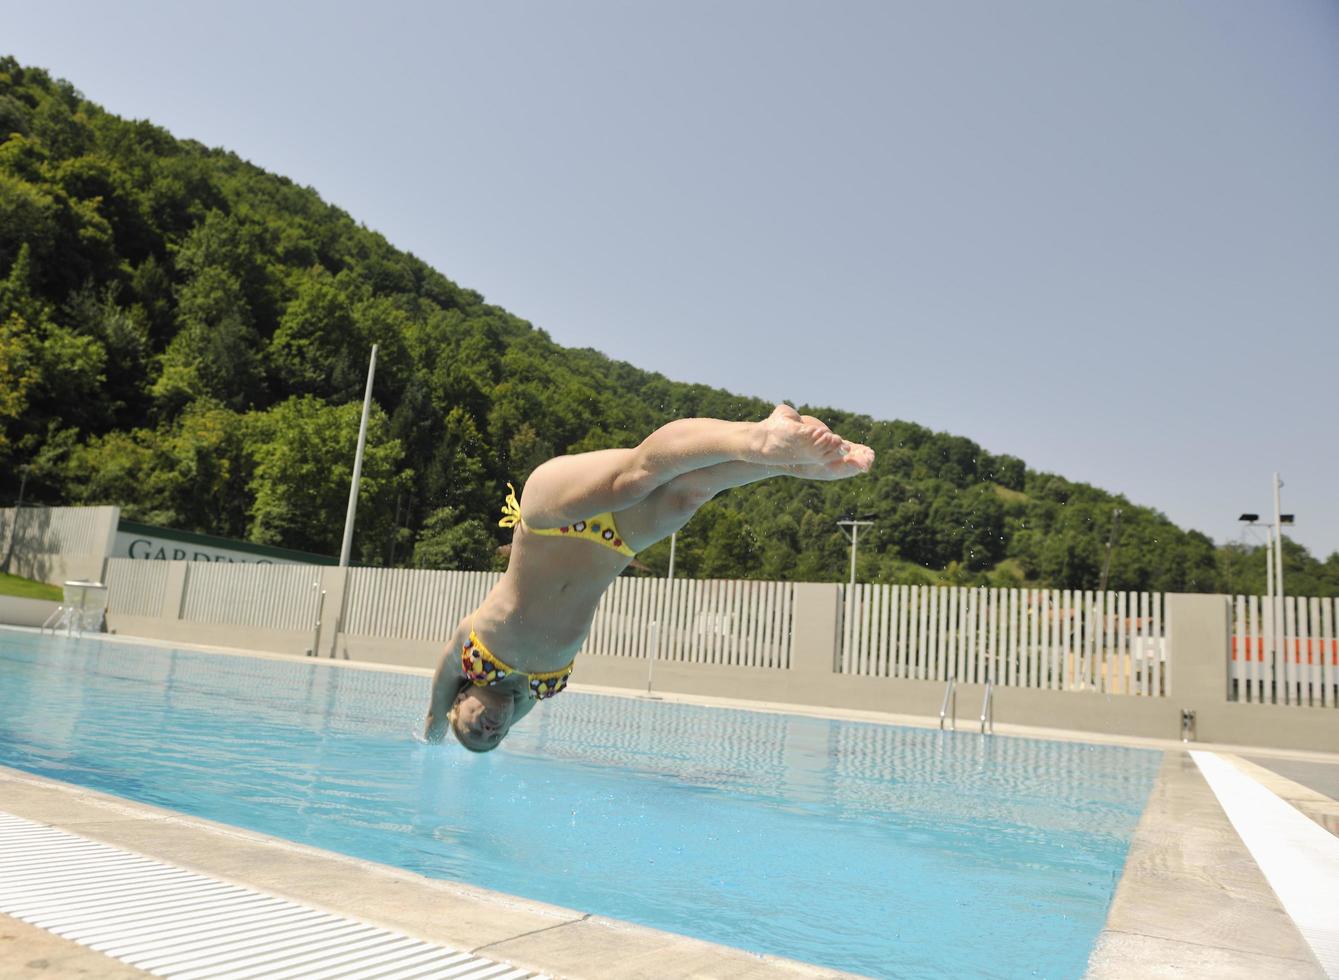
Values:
[(358, 464), (854, 524), (1278, 552), (1273, 567)]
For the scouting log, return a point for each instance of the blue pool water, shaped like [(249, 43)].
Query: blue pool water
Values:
[(879, 850)]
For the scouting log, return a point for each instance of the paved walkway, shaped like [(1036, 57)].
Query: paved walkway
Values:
[(1323, 777)]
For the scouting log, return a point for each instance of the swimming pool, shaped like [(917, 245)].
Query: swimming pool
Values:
[(880, 850)]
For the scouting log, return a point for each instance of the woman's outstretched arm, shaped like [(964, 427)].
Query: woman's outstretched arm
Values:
[(446, 684)]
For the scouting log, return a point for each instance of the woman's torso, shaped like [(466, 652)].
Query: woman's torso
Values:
[(537, 616)]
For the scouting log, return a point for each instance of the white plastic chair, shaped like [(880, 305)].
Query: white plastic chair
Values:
[(82, 609)]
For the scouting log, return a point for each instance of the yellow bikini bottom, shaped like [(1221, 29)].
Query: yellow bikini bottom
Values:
[(601, 528), (483, 669)]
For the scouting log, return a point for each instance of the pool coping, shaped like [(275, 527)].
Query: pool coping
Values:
[(1192, 900), (1145, 933), (533, 935)]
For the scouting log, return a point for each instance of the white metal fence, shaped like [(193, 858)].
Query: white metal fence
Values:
[(136, 588), (712, 621), (1056, 639), (1294, 662), (412, 603), (693, 621), (280, 597)]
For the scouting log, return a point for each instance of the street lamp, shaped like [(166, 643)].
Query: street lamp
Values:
[(1274, 562), (854, 524), (1253, 520)]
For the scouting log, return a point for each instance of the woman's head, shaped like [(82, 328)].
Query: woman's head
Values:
[(480, 717)]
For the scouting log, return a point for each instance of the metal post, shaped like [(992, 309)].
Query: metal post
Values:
[(1269, 566), (855, 536), (849, 614), (315, 650), (1278, 567), (358, 464), (667, 603)]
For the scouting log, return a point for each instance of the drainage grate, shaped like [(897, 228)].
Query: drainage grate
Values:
[(175, 923)]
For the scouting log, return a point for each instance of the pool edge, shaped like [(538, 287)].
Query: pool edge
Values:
[(533, 935), (1191, 900)]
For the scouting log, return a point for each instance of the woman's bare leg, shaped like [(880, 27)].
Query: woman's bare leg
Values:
[(571, 488), (670, 506)]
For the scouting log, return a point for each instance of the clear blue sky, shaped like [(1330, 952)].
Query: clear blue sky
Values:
[(1101, 236)]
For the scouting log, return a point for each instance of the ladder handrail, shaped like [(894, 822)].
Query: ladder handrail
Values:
[(950, 692), (988, 709)]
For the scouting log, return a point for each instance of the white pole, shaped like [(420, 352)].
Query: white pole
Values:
[(849, 614), (665, 606), (358, 464), (1278, 567), (1278, 538), (855, 534), (1269, 566)]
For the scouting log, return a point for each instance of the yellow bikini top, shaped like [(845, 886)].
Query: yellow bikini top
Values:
[(601, 528)]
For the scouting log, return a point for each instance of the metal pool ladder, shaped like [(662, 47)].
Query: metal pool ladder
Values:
[(988, 709), (950, 699)]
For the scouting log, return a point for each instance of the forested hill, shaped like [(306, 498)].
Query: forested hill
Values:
[(186, 335)]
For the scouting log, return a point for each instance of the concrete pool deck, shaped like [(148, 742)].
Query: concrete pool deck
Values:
[(545, 938), (1191, 900)]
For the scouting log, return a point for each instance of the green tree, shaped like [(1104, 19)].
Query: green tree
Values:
[(213, 354), (18, 375), (303, 452), (315, 339), (449, 540)]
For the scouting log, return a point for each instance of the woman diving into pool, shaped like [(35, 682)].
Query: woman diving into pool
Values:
[(518, 647)]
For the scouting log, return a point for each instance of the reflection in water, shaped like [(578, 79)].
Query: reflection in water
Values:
[(941, 853)]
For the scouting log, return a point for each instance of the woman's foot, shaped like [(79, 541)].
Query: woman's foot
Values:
[(786, 438), (856, 459)]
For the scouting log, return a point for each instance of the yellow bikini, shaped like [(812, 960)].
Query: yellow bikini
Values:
[(483, 669), (601, 528)]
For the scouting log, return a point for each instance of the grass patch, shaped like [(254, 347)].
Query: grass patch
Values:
[(26, 588), (1010, 496), (1008, 574)]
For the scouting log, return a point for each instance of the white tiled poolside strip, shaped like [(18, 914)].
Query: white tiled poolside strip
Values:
[(174, 923), (1298, 857)]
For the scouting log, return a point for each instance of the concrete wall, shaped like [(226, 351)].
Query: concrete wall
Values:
[(25, 612), (54, 544), (1197, 638)]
